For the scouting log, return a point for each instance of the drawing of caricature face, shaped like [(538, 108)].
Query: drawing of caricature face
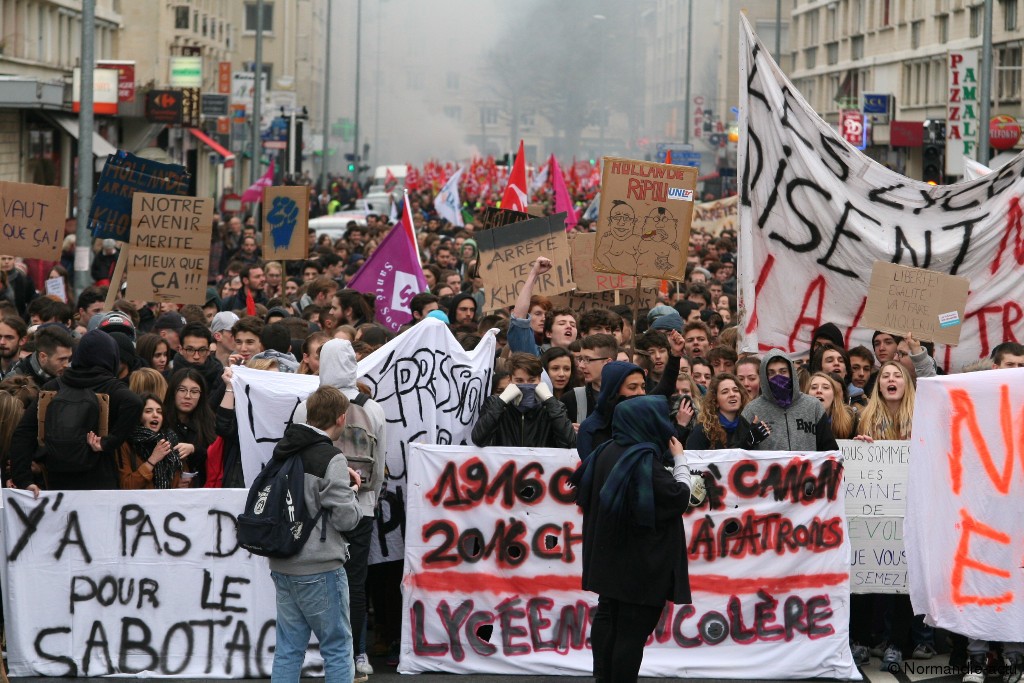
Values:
[(621, 219), (659, 226)]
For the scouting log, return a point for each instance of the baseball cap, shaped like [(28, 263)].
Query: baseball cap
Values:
[(170, 321), (224, 320)]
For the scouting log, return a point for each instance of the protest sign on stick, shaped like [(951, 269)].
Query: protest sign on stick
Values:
[(169, 250), (927, 303), (583, 274), (581, 302), (285, 223), (507, 255), (644, 225), (496, 218), (33, 220), (715, 216), (123, 175)]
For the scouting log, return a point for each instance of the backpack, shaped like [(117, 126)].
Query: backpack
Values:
[(65, 417), (359, 444), (275, 522)]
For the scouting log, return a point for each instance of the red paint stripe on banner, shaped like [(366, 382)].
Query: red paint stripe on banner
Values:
[(537, 585)]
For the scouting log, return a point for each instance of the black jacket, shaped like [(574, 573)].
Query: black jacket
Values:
[(29, 367), (231, 460), (543, 426), (742, 437), (212, 372), (629, 562), (125, 411), (24, 290), (237, 301)]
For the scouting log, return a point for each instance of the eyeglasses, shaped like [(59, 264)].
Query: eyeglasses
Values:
[(193, 351), (185, 391), (586, 361)]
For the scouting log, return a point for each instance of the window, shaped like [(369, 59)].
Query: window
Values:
[(1009, 14), (488, 116), (206, 26), (915, 33), (943, 28), (181, 17), (195, 21), (811, 27), (251, 17), (977, 15), (857, 16), (831, 22), (833, 53), (857, 47), (452, 80), (810, 57), (886, 15), (1009, 74), (528, 118), (454, 112)]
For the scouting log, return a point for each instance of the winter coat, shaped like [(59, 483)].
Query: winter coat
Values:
[(545, 425)]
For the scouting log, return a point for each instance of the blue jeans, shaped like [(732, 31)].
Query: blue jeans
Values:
[(317, 603)]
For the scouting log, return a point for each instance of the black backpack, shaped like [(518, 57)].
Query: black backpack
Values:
[(66, 416), (275, 522)]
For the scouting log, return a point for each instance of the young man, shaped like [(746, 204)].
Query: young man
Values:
[(312, 587), (422, 304), (253, 280), (596, 351), (862, 364), (196, 340), (169, 326), (886, 346), (794, 421), (600, 321), (654, 343), (12, 336), (463, 310), (220, 327), (560, 323), (697, 338), (53, 348), (1005, 355), (722, 359), (90, 302), (246, 333)]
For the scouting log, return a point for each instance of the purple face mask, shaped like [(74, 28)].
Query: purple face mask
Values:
[(782, 390)]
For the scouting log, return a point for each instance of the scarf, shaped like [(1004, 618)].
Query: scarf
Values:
[(782, 390), (728, 425), (529, 399), (144, 440)]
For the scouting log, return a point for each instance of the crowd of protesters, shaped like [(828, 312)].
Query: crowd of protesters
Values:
[(560, 378)]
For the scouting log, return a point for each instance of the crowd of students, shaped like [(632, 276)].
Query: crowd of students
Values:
[(560, 380)]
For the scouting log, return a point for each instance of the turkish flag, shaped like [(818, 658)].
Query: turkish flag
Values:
[(515, 197)]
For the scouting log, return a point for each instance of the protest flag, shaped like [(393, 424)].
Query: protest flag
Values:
[(393, 274), (254, 193), (515, 197), (447, 203), (540, 179), (563, 202)]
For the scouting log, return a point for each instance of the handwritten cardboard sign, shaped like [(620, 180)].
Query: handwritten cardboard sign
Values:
[(583, 273), (496, 218), (714, 217), (55, 287), (285, 223), (169, 251), (926, 303), (32, 220), (581, 302), (122, 176), (644, 225), (507, 255)]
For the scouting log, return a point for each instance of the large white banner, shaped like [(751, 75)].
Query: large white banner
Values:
[(431, 391), (148, 583), (492, 581), (875, 483), (815, 214), (965, 509)]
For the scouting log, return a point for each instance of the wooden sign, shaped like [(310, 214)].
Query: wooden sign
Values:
[(32, 224), (507, 255), (926, 303), (285, 223), (169, 251), (644, 225)]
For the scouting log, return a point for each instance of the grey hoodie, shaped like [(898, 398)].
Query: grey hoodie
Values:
[(804, 426), (338, 368)]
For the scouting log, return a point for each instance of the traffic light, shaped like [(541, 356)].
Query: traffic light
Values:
[(931, 155), (351, 168)]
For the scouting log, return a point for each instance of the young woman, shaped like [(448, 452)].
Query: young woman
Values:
[(890, 410), (558, 363), (720, 424), (153, 350), (62, 272), (187, 412), (310, 364), (829, 391), (152, 458)]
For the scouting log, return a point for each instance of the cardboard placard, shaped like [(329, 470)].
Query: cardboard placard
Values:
[(507, 255), (169, 251), (122, 176), (583, 273), (285, 223), (714, 217), (644, 224), (55, 287), (926, 303), (32, 221), (497, 218), (581, 302)]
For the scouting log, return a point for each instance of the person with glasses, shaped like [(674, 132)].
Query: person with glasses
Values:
[(196, 353), (596, 351), (188, 414)]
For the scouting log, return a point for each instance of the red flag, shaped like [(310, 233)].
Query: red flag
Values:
[(390, 181), (515, 197)]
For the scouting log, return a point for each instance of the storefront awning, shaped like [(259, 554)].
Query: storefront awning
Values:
[(226, 155), (100, 147)]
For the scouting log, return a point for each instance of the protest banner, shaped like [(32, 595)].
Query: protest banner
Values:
[(429, 387), (33, 220), (581, 302), (122, 175), (507, 255), (169, 251), (926, 303), (815, 214), (712, 218), (135, 583), (285, 223), (494, 217), (644, 225), (965, 511), (492, 569), (875, 488)]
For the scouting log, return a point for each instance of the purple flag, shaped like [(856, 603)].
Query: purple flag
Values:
[(393, 274), (563, 202)]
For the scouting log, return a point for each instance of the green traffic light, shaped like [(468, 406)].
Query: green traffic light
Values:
[(351, 167)]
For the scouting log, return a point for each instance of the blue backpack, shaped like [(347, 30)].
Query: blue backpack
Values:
[(275, 522)]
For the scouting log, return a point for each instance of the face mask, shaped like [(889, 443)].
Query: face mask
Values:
[(782, 390), (529, 399)]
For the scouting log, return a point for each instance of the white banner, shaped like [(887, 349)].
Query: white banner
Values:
[(431, 391), (875, 483), (815, 214), (148, 583), (492, 583), (965, 510)]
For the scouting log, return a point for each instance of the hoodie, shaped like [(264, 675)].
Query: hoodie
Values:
[(339, 369), (326, 484), (596, 429), (803, 426)]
